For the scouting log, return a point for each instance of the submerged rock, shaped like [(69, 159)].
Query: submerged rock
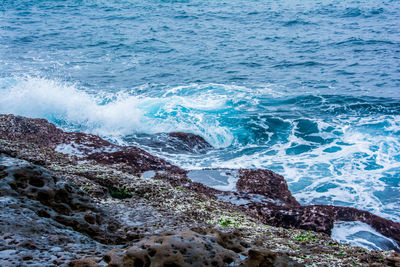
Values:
[(175, 142), (188, 142)]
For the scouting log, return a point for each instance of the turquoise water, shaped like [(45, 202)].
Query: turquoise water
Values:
[(309, 89)]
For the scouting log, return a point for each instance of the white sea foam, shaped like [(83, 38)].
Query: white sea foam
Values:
[(224, 180), (70, 149), (339, 178), (125, 114), (82, 150), (361, 234), (355, 173)]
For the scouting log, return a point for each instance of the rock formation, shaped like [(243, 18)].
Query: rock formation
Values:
[(188, 142), (79, 145), (87, 198), (189, 248), (51, 197)]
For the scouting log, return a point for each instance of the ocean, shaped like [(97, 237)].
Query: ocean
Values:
[(308, 89)]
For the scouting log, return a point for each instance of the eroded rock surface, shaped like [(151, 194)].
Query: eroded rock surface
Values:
[(42, 219), (189, 248), (321, 218), (51, 197)]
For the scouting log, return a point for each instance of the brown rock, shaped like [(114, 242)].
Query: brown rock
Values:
[(188, 142), (114, 257), (266, 183), (266, 258), (205, 247), (86, 262), (86, 146), (136, 160), (320, 218), (69, 207)]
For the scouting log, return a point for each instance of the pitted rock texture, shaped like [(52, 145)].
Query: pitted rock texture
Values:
[(85, 262), (58, 200), (169, 202), (189, 248), (27, 239), (184, 249), (36, 208)]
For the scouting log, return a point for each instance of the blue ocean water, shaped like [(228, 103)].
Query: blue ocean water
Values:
[(309, 89)]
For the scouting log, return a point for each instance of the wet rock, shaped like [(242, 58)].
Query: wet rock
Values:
[(239, 186), (188, 142), (38, 131), (53, 204), (321, 218), (43, 133), (136, 161), (265, 195), (81, 146), (384, 226), (220, 179), (180, 178), (265, 183)]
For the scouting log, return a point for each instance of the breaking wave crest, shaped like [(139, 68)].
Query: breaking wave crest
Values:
[(112, 115)]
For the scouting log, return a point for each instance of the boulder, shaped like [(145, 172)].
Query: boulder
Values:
[(188, 142), (266, 183)]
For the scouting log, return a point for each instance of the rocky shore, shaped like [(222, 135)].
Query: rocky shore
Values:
[(76, 199)]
